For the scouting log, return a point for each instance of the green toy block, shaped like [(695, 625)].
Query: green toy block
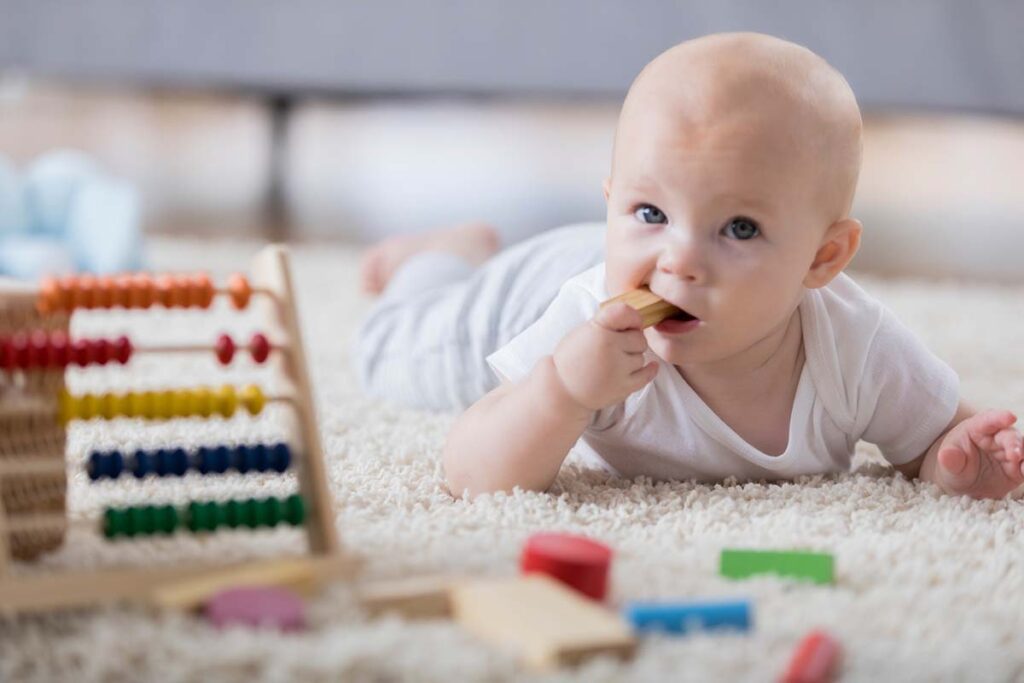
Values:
[(741, 564)]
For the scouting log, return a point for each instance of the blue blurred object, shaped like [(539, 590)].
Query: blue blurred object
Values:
[(683, 617), (64, 214)]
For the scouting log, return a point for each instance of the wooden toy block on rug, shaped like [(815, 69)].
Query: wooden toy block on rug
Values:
[(547, 623), (424, 597), (808, 566), (35, 407), (576, 561), (686, 616), (815, 660), (652, 308)]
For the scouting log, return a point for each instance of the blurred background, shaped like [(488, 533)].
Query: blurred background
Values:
[(314, 119)]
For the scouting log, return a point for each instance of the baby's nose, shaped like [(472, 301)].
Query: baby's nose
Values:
[(684, 260)]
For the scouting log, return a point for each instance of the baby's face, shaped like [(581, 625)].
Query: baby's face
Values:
[(717, 218)]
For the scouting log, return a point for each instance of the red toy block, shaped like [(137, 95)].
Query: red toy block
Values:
[(815, 660), (576, 561)]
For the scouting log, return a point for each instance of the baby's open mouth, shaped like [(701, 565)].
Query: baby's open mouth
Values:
[(682, 315)]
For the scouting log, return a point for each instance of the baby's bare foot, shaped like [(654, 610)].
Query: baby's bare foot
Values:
[(475, 242)]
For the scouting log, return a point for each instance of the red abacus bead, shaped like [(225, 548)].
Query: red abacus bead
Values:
[(122, 349), (259, 347), (576, 561), (39, 350), (100, 351), (22, 354), (7, 361), (225, 349), (81, 352), (59, 352)]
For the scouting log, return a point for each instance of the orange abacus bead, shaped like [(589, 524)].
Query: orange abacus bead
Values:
[(143, 291), (68, 286), (240, 291), (49, 299), (180, 296), (85, 291), (165, 291), (122, 291), (104, 296), (201, 290)]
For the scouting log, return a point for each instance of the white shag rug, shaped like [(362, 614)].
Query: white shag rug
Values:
[(928, 587)]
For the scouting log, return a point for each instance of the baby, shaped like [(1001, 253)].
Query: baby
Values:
[(733, 174)]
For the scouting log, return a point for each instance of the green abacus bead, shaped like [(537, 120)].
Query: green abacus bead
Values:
[(145, 520), (249, 509), (272, 506), (261, 512), (294, 510), (114, 523), (196, 517), (218, 515), (166, 519), (234, 515)]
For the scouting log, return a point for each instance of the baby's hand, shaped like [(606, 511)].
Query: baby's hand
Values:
[(981, 456), (601, 362)]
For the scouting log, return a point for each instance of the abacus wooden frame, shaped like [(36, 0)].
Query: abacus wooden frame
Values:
[(76, 588)]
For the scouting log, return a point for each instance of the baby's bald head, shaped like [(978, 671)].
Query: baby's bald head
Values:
[(756, 89)]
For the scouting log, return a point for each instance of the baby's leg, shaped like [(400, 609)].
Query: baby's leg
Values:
[(425, 341)]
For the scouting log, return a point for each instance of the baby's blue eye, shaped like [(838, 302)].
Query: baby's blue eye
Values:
[(743, 228), (650, 214)]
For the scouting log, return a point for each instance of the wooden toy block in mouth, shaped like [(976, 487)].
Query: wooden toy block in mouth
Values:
[(652, 308)]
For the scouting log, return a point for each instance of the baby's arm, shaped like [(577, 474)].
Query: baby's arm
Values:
[(978, 454), (519, 434)]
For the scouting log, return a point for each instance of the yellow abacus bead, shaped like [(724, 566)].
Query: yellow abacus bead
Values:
[(182, 403), (253, 399), (107, 407), (162, 405), (66, 407), (88, 406), (122, 405), (202, 402), (227, 400)]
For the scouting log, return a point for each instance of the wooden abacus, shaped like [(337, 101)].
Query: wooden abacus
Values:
[(35, 406)]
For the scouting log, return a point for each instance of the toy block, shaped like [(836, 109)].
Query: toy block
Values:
[(541, 619), (683, 617), (304, 574), (741, 564), (652, 308), (576, 561), (257, 607), (815, 660), (424, 597)]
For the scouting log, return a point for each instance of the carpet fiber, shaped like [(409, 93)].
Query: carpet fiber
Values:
[(928, 587)]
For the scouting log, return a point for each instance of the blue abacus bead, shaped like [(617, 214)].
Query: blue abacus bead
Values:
[(204, 460), (115, 464), (261, 458), (280, 457), (97, 465), (141, 464), (162, 462), (179, 462), (246, 459), (221, 459)]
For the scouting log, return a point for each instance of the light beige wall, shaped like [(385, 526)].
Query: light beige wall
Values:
[(938, 194)]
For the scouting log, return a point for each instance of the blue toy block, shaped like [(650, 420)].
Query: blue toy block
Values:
[(683, 617)]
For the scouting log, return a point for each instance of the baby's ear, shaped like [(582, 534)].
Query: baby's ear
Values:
[(838, 247), (606, 185)]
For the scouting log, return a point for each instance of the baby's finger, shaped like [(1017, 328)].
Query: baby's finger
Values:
[(1009, 440), (632, 341), (618, 317), (990, 423)]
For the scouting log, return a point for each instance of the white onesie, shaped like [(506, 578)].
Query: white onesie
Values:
[(866, 376)]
